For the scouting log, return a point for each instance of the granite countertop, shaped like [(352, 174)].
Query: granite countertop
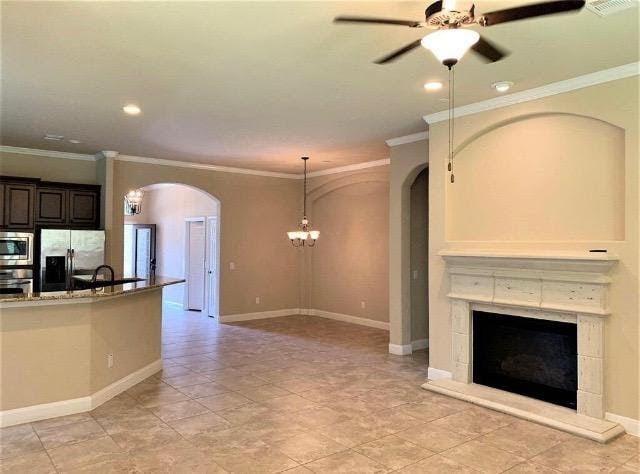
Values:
[(106, 291)]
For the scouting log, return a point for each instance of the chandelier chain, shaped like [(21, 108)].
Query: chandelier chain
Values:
[(304, 199)]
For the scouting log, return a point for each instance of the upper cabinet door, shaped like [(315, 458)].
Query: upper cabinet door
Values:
[(51, 206), (84, 208), (18, 205)]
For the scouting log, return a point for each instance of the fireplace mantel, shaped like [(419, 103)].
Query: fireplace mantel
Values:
[(558, 281), (560, 286)]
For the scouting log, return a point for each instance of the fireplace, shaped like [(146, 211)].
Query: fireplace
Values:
[(533, 357), (530, 325)]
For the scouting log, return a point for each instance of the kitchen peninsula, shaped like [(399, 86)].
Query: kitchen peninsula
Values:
[(70, 351)]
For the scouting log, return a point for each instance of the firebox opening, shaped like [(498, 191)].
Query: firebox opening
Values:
[(532, 357)]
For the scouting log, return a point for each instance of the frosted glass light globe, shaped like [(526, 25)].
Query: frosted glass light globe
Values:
[(450, 45)]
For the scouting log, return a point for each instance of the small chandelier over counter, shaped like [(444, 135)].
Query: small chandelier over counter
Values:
[(133, 202), (304, 236)]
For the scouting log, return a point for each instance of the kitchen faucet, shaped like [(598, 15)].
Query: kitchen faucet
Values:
[(97, 270)]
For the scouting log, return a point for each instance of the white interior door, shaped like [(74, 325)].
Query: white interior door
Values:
[(195, 264), (212, 266)]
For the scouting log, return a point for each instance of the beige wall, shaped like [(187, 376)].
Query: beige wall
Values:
[(349, 264), (49, 169), (59, 352), (407, 161), (167, 207), (551, 151), (255, 213), (574, 228), (418, 250)]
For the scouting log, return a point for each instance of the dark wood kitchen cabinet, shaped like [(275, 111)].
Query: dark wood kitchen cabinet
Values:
[(83, 207), (73, 205), (18, 205), (51, 206), (27, 203)]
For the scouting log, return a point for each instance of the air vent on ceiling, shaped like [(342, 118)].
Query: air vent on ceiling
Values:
[(608, 7)]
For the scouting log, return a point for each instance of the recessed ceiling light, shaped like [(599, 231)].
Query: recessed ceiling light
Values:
[(53, 137), (74, 141), (131, 109), (433, 86), (502, 86)]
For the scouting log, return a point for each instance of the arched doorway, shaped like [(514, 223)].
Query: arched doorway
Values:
[(407, 162), (418, 256), (177, 232)]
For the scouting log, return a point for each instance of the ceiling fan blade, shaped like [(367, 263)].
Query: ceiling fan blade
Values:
[(529, 11), (433, 8), (396, 54), (381, 21), (489, 51)]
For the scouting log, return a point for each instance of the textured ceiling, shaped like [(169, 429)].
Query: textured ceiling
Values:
[(258, 84)]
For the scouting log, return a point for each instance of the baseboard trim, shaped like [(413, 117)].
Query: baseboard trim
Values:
[(45, 411), (347, 318), (420, 344), (400, 349), (438, 374), (630, 425), (125, 383), (17, 416), (232, 318)]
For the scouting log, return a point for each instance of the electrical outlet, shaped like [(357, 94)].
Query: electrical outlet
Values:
[(110, 360), (257, 300), (363, 304), (415, 274), (232, 266)]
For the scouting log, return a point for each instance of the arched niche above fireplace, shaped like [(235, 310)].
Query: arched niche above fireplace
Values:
[(541, 177)]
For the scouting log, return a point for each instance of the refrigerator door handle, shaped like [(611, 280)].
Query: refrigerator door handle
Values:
[(72, 256), (66, 269)]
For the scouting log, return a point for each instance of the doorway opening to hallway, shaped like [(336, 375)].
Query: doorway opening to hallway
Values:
[(177, 234)]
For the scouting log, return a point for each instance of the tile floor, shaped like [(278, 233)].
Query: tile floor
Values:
[(296, 394)]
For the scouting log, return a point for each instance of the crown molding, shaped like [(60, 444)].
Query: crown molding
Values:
[(414, 137), (203, 166), (48, 153), (554, 88), (186, 164), (347, 168)]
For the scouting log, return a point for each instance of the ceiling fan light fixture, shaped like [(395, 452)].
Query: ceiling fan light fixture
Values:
[(451, 44)]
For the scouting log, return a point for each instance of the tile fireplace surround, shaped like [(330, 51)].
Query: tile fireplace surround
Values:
[(564, 287)]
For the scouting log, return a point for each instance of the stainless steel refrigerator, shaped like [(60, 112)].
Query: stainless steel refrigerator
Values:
[(65, 253)]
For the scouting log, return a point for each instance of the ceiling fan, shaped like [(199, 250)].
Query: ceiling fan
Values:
[(452, 40)]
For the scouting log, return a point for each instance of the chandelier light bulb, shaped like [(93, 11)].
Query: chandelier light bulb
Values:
[(450, 45)]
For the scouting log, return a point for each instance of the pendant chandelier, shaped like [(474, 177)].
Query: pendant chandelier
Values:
[(133, 202), (304, 236)]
